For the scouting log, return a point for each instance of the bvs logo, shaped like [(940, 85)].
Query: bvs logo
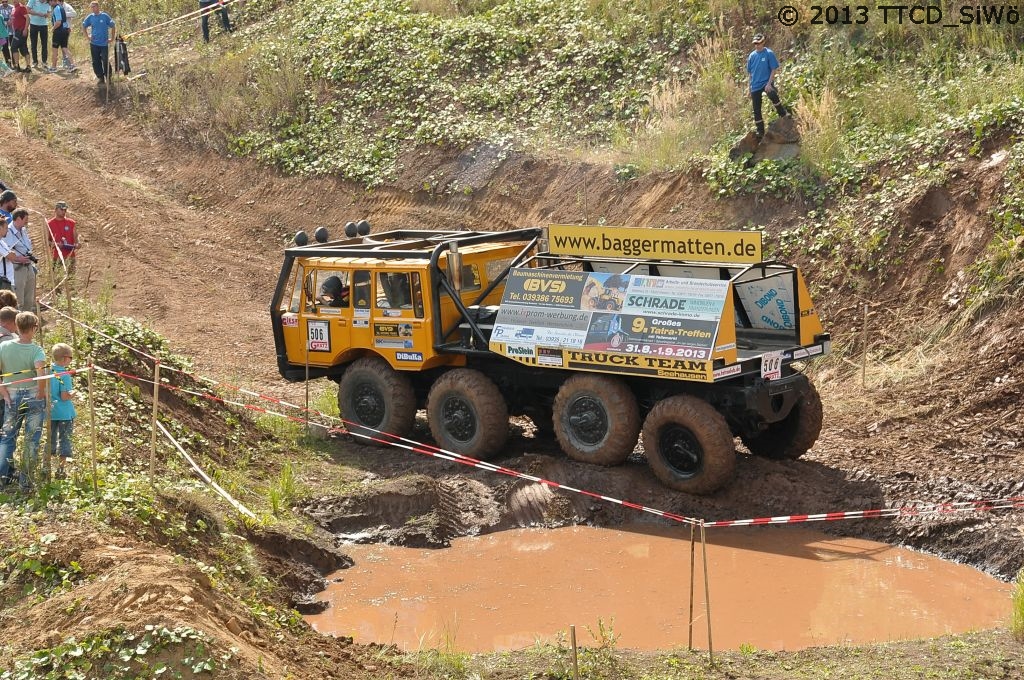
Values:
[(544, 286)]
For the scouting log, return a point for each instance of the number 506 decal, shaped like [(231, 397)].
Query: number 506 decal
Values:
[(319, 336), (771, 365)]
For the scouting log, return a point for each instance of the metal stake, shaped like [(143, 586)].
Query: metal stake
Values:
[(156, 406), (693, 554), (864, 348), (575, 657), (307, 378), (92, 425), (707, 593)]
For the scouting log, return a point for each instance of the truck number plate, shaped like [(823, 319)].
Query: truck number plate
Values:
[(319, 336), (771, 365)]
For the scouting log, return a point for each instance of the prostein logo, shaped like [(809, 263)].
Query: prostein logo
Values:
[(519, 351)]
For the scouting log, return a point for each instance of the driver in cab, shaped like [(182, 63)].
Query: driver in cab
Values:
[(333, 292)]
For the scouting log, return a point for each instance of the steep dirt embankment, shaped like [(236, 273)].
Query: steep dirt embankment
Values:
[(191, 241)]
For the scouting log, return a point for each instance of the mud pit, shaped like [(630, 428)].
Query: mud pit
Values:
[(417, 502), (508, 590)]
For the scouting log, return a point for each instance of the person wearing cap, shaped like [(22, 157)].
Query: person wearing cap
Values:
[(63, 239), (761, 67)]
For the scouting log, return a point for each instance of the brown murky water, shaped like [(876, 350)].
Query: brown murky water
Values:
[(771, 587)]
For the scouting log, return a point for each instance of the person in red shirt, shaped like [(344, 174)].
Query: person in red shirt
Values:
[(19, 36), (63, 239)]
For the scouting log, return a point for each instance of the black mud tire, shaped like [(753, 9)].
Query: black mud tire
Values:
[(468, 414), (794, 435), (373, 396), (597, 419), (688, 445)]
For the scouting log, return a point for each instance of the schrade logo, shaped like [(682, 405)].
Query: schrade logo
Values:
[(544, 286)]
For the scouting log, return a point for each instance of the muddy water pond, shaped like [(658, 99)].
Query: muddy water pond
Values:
[(771, 587)]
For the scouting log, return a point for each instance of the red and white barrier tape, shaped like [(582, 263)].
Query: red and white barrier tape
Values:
[(451, 456), (931, 509), (423, 449)]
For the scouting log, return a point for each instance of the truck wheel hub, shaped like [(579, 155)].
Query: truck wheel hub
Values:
[(459, 419), (588, 419), (369, 405), (681, 450)]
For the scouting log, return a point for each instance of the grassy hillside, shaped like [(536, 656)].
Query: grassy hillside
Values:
[(887, 112), (343, 86)]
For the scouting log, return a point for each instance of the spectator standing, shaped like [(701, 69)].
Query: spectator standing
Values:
[(8, 331), (39, 21), (24, 260), (8, 328), (97, 28), (7, 275), (19, 36), (761, 67), (22, 359), (8, 204), (62, 409), (208, 6), (64, 239), (6, 10), (61, 34)]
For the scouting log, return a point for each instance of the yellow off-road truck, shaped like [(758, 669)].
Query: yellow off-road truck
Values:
[(595, 333)]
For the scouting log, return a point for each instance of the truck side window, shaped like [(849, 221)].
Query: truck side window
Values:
[(394, 291), (361, 289), (333, 288), (470, 279), (294, 297), (417, 295)]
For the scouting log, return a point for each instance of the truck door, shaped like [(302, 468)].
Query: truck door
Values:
[(326, 317), (399, 330)]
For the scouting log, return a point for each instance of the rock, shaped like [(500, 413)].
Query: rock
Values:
[(782, 131), (747, 145), (233, 626)]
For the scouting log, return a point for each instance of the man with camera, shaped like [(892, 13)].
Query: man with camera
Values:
[(6, 258), (20, 243)]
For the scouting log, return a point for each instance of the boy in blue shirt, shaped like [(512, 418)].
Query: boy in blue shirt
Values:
[(761, 66), (62, 409)]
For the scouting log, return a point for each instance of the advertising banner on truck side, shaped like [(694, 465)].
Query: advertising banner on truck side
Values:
[(642, 325), (694, 245)]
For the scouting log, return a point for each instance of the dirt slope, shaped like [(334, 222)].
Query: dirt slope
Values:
[(191, 241)]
